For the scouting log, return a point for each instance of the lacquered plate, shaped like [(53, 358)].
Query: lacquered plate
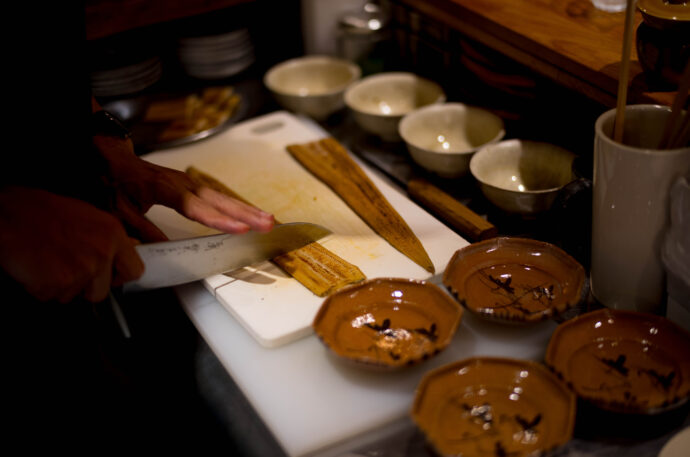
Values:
[(623, 361), (388, 322), (488, 406), (514, 279)]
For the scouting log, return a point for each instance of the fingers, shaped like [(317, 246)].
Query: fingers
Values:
[(255, 218), (212, 208), (224, 213), (200, 211), (122, 265), (115, 262), (56, 289), (98, 287), (127, 265), (176, 190), (138, 225)]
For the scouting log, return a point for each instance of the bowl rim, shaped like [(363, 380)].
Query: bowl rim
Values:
[(450, 106), (481, 151), (391, 75), (609, 116), (354, 70)]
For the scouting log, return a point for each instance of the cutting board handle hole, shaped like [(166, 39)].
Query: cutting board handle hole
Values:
[(268, 127)]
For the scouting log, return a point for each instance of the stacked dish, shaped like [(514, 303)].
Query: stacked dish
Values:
[(124, 65), (216, 56), (127, 79)]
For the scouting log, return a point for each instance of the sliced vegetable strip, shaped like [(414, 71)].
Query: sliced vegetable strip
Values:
[(328, 160)]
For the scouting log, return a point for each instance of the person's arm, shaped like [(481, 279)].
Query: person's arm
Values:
[(139, 184)]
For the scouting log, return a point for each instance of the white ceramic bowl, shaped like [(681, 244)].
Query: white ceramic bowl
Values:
[(522, 176), (443, 137), (378, 102), (312, 85)]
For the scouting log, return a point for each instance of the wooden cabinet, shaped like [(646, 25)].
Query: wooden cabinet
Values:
[(569, 41), (117, 29), (109, 17)]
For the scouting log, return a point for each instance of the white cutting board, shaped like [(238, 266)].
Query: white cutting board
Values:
[(252, 160)]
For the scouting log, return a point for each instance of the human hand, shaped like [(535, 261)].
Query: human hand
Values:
[(139, 184), (60, 248)]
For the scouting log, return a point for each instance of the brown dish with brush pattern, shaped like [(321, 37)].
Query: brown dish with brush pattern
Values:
[(491, 406), (388, 322), (514, 279), (623, 361)]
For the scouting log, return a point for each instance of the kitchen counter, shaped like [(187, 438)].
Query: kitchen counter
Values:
[(296, 400), (300, 384)]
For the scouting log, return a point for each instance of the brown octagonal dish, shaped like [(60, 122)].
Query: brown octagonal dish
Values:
[(388, 322), (492, 406), (513, 279), (623, 361)]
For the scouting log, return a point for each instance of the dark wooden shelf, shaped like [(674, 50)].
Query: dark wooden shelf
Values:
[(570, 42), (109, 17)]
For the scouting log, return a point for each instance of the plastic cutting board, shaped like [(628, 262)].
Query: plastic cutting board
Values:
[(251, 159)]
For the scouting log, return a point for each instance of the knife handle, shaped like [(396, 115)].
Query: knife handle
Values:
[(451, 211)]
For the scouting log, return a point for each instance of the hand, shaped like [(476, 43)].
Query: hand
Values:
[(139, 184), (60, 248)]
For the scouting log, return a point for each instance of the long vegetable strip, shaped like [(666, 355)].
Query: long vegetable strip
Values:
[(331, 163)]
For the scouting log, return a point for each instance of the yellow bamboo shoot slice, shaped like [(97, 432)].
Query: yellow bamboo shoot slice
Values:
[(331, 163), (315, 267)]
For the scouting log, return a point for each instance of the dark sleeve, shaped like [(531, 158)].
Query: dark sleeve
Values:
[(50, 98)]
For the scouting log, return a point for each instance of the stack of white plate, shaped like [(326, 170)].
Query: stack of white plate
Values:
[(216, 56), (127, 79)]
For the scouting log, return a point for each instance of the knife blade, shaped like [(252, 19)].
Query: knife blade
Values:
[(170, 263)]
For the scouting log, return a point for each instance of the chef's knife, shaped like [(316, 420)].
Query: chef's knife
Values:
[(171, 263)]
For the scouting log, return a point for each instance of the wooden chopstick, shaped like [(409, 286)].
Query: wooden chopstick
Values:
[(673, 134), (451, 211), (683, 136), (624, 72)]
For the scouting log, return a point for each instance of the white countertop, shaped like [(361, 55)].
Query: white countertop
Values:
[(315, 404)]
